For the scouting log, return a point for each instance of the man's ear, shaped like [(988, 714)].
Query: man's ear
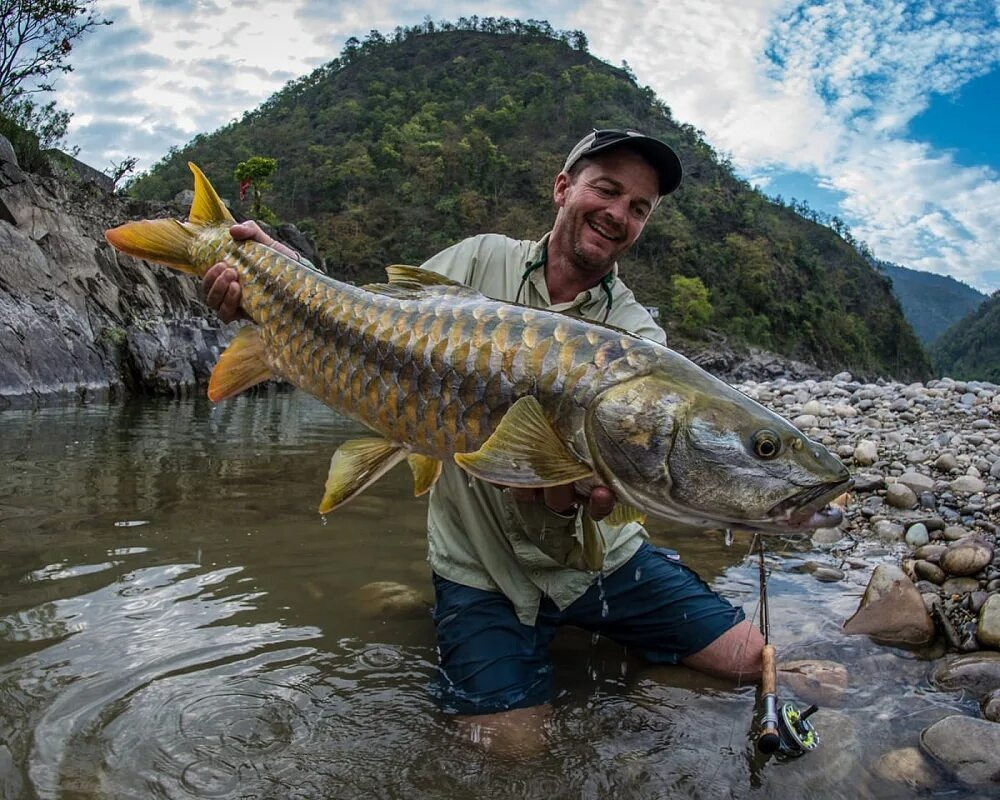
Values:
[(559, 188)]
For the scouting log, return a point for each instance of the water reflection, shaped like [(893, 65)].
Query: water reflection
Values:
[(176, 621)]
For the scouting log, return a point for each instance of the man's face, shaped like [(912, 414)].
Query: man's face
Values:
[(603, 209)]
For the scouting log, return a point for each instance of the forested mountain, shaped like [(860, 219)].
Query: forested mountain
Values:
[(932, 303), (970, 349), (409, 142)]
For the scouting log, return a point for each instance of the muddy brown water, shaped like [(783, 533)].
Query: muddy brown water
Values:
[(176, 621)]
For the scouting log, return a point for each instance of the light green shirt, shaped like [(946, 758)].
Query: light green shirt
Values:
[(478, 534)]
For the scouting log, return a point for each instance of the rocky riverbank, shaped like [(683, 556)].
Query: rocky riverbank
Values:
[(78, 320), (922, 518)]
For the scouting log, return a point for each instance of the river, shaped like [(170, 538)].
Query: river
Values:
[(176, 621)]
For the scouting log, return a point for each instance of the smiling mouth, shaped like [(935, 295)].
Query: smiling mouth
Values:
[(604, 232)]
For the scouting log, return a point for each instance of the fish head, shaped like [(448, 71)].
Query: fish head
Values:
[(713, 458)]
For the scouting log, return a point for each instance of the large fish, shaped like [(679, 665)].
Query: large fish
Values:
[(516, 396)]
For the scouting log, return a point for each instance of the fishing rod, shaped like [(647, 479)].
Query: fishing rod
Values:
[(786, 730)]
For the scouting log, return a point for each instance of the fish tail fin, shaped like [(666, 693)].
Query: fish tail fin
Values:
[(168, 241)]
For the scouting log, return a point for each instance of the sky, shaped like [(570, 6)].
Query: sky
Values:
[(885, 113)]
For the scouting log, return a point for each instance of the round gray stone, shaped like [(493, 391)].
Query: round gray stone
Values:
[(969, 748), (966, 557)]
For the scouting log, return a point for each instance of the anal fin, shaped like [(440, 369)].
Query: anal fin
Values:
[(426, 471), (355, 466)]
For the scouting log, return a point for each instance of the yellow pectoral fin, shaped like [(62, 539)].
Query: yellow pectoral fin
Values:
[(355, 466), (623, 514), (207, 208), (243, 364), (426, 471), (524, 450), (593, 544), (165, 241)]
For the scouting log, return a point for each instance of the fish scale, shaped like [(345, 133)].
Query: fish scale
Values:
[(514, 395)]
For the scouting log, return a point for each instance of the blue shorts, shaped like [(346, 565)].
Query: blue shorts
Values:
[(491, 662)]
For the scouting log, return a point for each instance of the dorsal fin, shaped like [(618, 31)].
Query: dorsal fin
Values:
[(411, 282), (207, 208)]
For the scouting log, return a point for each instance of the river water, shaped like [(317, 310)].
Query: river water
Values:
[(176, 621)]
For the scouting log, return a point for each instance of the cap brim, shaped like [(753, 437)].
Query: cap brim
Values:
[(660, 156)]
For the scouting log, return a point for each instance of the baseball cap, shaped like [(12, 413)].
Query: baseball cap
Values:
[(659, 155)]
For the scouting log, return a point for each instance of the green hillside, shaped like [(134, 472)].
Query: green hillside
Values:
[(970, 349), (407, 143), (932, 303)]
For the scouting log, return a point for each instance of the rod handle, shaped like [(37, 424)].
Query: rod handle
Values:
[(769, 740)]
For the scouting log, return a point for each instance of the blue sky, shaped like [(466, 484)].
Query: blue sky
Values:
[(885, 113)]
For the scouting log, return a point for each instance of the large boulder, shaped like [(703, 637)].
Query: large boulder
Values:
[(892, 610)]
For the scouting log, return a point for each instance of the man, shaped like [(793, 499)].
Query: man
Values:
[(507, 563)]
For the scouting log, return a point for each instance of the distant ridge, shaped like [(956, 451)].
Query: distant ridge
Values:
[(413, 140), (970, 349), (932, 303)]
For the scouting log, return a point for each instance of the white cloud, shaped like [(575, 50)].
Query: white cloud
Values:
[(823, 88)]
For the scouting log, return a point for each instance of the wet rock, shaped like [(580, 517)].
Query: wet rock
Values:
[(976, 673), (868, 483), (988, 628), (990, 706), (968, 748), (828, 574), (966, 557), (899, 495), (892, 610), (908, 767), (814, 681), (388, 598), (955, 532)]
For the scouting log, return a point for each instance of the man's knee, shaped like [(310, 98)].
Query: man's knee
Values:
[(735, 654)]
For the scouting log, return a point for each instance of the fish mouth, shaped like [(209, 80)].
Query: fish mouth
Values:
[(810, 508)]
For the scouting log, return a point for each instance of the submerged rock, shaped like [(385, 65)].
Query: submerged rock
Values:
[(814, 681), (909, 767), (977, 673), (968, 748), (388, 598)]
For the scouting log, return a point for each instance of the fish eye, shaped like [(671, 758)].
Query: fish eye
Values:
[(766, 444)]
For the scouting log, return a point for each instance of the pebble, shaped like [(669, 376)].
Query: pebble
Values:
[(967, 484), (899, 495), (988, 626), (966, 557), (917, 535)]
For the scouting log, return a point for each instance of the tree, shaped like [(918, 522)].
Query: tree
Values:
[(690, 303), (36, 39), (253, 174)]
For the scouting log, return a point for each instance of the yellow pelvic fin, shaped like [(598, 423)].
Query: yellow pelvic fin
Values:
[(165, 241), (524, 450), (623, 514), (593, 544), (355, 466), (243, 364), (207, 208), (426, 471)]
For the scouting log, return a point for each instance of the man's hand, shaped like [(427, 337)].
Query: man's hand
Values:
[(221, 283), (563, 499)]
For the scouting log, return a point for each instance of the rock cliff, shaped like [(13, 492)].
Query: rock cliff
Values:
[(78, 319)]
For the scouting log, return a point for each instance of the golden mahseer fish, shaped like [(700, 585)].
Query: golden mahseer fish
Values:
[(514, 395)]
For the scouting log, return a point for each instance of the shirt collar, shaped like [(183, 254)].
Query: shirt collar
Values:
[(588, 297)]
